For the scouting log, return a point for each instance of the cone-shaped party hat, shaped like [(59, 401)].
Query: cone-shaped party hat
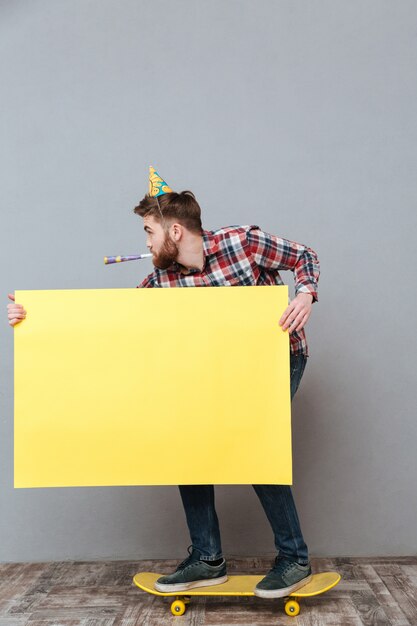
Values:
[(157, 185)]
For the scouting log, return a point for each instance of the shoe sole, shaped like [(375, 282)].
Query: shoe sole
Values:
[(281, 593), (209, 582)]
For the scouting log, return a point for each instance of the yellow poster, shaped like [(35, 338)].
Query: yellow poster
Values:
[(152, 387)]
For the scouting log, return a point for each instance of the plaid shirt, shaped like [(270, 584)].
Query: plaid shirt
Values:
[(245, 255)]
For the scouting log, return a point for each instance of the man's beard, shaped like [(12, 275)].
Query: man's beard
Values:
[(167, 255)]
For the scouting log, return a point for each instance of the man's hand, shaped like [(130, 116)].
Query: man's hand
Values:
[(297, 313), (16, 312)]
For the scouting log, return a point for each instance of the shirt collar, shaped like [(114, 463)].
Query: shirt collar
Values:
[(210, 246)]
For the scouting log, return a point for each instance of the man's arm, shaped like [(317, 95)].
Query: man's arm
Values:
[(274, 253)]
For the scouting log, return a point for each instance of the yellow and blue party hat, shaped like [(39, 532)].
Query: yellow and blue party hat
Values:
[(157, 185)]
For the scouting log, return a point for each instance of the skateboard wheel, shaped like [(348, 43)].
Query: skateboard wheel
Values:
[(292, 608), (178, 607)]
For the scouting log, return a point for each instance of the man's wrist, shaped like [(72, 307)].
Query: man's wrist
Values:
[(306, 293)]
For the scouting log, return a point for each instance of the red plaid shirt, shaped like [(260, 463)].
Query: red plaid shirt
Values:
[(245, 255)]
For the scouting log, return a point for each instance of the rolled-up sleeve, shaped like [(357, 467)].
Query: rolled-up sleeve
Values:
[(274, 253)]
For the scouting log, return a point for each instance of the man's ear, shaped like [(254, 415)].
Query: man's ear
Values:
[(176, 230)]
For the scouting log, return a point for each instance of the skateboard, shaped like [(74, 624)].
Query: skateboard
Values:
[(237, 586)]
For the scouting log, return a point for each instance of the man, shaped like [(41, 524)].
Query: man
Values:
[(185, 255)]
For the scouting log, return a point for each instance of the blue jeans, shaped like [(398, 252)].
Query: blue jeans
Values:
[(277, 501)]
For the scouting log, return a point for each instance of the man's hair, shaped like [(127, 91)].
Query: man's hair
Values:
[(182, 207)]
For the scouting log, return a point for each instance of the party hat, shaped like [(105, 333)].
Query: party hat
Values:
[(157, 185)]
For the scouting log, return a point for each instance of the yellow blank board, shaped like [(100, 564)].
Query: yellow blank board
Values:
[(152, 387)]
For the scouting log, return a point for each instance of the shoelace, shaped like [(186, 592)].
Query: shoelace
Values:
[(281, 566), (186, 561)]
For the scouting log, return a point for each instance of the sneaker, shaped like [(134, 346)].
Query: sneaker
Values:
[(192, 572), (285, 577)]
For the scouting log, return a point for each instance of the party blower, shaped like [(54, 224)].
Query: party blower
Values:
[(129, 257)]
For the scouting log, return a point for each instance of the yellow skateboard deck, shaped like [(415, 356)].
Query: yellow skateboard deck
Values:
[(237, 586)]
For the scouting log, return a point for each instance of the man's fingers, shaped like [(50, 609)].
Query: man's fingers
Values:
[(289, 323), (294, 322), (301, 324), (15, 312), (17, 315), (295, 318), (286, 314), (303, 321), (291, 318), (295, 315), (15, 307)]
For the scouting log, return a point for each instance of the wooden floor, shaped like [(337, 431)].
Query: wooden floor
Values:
[(374, 591)]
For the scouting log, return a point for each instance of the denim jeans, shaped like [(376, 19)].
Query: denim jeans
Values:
[(277, 501)]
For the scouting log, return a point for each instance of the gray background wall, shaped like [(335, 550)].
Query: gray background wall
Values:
[(297, 116)]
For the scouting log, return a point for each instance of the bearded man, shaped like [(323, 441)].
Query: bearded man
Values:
[(186, 255)]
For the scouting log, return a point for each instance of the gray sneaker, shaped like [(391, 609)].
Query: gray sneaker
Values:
[(285, 577), (192, 572)]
